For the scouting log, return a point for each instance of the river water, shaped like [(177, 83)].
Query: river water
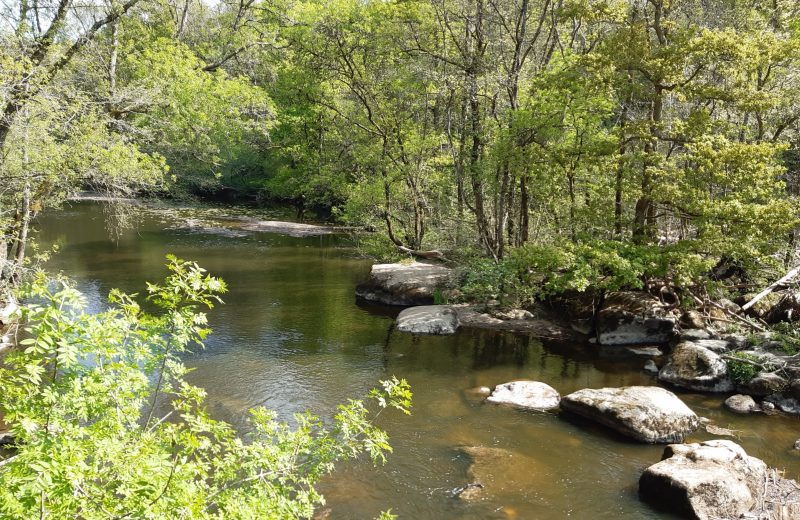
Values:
[(292, 337)]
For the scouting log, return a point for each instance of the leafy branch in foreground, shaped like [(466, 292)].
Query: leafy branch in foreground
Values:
[(106, 426)]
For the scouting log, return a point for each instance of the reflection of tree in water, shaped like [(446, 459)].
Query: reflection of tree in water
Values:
[(493, 349)]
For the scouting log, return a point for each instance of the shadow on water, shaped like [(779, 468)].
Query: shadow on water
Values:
[(292, 337)]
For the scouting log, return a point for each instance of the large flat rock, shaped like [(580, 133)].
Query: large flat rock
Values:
[(404, 284), (644, 413)]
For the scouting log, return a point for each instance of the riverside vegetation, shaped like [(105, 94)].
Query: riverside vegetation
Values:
[(551, 149)]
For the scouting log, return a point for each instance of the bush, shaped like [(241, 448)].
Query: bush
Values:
[(107, 427), (742, 369)]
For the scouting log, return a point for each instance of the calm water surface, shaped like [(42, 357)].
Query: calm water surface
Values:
[(292, 337)]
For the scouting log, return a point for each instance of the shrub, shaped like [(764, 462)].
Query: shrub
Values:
[(107, 427)]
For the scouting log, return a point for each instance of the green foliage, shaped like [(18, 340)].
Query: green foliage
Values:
[(107, 426), (535, 271), (744, 367)]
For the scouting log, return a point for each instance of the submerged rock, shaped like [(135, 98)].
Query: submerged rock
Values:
[(404, 284), (428, 319), (629, 318), (497, 472), (714, 480), (530, 395), (645, 413), (695, 367), (743, 404)]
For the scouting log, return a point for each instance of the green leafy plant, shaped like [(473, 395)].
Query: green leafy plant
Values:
[(743, 367), (107, 427)]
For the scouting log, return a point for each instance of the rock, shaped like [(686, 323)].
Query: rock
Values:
[(629, 318), (797, 444), (645, 413), (718, 430), (696, 368), (695, 334), (530, 395), (743, 404), (496, 471), (404, 284), (736, 341), (6, 438), (428, 319), (729, 305), (767, 406), (788, 405), (762, 308), (472, 316), (765, 383), (9, 312), (709, 481), (786, 309), (578, 309), (714, 345), (693, 320), (651, 367), (513, 314), (794, 388)]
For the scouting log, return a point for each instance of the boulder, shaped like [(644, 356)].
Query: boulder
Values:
[(477, 394), (428, 319), (743, 404), (530, 395), (794, 388), (696, 368), (786, 404), (629, 318), (764, 384), (737, 341), (714, 480), (645, 413), (404, 284)]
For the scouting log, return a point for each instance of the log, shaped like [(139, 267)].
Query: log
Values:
[(758, 297)]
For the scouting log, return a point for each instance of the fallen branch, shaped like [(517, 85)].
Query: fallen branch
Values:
[(758, 297), (428, 255)]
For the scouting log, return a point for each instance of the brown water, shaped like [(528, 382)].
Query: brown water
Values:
[(292, 337)]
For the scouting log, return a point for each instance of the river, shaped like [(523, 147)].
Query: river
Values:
[(292, 337)]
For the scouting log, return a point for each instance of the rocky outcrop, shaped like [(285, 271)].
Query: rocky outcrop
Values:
[(404, 284), (428, 319), (529, 395), (629, 318), (692, 366), (787, 308), (645, 413), (716, 480), (743, 404)]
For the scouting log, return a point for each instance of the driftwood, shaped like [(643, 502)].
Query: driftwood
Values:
[(428, 255), (758, 297)]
